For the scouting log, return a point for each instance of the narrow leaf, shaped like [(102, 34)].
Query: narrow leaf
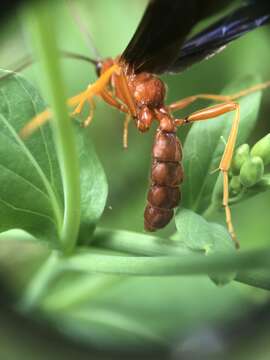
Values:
[(94, 187)]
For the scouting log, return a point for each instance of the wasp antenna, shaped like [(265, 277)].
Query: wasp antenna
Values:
[(73, 55), (28, 60), (83, 28)]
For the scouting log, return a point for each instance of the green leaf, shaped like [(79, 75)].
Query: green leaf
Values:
[(201, 236), (203, 147), (168, 305), (222, 243), (31, 191), (94, 187), (31, 195)]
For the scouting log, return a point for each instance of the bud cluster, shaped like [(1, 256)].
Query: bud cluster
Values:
[(247, 173)]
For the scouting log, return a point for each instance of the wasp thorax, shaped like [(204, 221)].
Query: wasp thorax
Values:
[(148, 90)]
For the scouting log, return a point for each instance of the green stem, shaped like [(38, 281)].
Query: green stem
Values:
[(81, 291), (136, 243), (167, 265), (208, 213), (41, 24), (40, 282), (258, 278), (115, 321)]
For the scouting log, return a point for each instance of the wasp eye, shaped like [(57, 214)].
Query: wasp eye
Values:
[(98, 68)]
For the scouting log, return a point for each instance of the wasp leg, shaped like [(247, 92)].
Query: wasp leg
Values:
[(90, 117), (92, 90), (112, 101), (104, 94), (125, 131), (224, 165), (181, 104), (124, 93), (35, 123), (77, 100)]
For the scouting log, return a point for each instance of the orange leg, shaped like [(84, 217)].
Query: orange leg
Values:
[(129, 108), (124, 93), (108, 97), (90, 117), (34, 124), (179, 105), (112, 101), (92, 90), (77, 100), (125, 131), (213, 112)]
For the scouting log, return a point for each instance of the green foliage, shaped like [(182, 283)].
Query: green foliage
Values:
[(201, 236), (184, 254), (112, 265), (31, 195), (31, 187)]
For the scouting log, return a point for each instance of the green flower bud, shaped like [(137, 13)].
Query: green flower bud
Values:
[(262, 149), (235, 184), (263, 184), (252, 171), (240, 156)]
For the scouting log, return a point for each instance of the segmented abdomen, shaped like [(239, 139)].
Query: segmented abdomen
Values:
[(166, 176)]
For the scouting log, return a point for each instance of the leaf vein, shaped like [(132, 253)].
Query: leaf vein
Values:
[(15, 208), (41, 128), (25, 180)]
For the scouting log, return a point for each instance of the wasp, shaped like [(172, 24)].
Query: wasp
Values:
[(131, 83)]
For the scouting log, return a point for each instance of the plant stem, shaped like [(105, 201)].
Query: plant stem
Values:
[(258, 278), (39, 283), (41, 24), (115, 320), (168, 265), (212, 208), (136, 243), (83, 290)]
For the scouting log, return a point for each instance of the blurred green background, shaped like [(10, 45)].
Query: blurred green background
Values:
[(171, 306)]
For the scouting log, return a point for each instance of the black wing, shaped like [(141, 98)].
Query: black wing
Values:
[(214, 39), (162, 31)]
